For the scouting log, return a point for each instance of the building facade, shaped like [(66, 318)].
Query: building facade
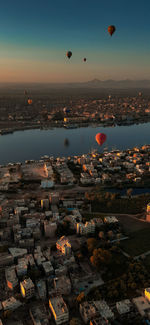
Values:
[(59, 310), (27, 288)]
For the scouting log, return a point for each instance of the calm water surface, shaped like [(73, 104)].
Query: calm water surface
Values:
[(32, 144)]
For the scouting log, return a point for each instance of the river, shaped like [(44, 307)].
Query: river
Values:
[(32, 144)]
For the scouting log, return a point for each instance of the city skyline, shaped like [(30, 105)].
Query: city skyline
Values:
[(34, 40)]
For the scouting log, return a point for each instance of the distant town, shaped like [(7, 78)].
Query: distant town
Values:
[(31, 111), (74, 249)]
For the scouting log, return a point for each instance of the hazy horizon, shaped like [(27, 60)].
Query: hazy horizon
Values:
[(78, 81)]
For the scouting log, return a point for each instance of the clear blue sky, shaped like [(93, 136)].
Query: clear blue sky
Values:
[(35, 35)]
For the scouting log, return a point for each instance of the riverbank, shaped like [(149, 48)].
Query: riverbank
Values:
[(6, 128)]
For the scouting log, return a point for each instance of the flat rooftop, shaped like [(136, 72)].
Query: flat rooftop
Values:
[(58, 305)]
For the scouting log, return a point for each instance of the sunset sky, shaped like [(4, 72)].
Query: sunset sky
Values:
[(35, 35)]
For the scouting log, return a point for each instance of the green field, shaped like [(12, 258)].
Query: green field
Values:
[(138, 243)]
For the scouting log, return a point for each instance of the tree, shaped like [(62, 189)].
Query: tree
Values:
[(11, 170), (115, 293), (133, 285), (109, 204), (101, 235), (100, 257), (115, 196), (81, 297), (114, 249), (91, 244), (110, 234), (75, 321), (107, 195), (80, 256), (129, 192), (7, 313)]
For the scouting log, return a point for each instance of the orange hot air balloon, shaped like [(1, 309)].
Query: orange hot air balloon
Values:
[(111, 29), (100, 138), (69, 54), (29, 101), (84, 59)]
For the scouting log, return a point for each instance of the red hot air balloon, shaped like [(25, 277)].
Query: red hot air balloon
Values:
[(111, 29), (100, 138), (29, 101), (69, 54)]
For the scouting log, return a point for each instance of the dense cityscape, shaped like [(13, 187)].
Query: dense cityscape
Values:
[(21, 112), (67, 239)]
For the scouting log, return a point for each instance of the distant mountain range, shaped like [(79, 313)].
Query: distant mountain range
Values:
[(120, 84), (93, 84)]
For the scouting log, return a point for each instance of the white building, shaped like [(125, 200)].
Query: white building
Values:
[(124, 306), (92, 309), (50, 228), (76, 214), (111, 219), (142, 306), (22, 266), (27, 288), (32, 223), (98, 222), (39, 315), (87, 228), (54, 198), (59, 310), (48, 268), (62, 285), (11, 304), (64, 246), (41, 289), (21, 210), (11, 277)]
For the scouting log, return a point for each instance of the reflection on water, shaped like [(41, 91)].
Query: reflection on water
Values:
[(32, 144)]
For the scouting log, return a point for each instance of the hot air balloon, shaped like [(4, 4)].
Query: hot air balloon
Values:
[(84, 59), (111, 29), (29, 101), (66, 110), (100, 138), (69, 54), (25, 92)]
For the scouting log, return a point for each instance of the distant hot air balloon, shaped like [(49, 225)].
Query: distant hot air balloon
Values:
[(66, 110), (69, 54), (111, 29), (84, 59), (25, 92), (100, 138), (29, 101)]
